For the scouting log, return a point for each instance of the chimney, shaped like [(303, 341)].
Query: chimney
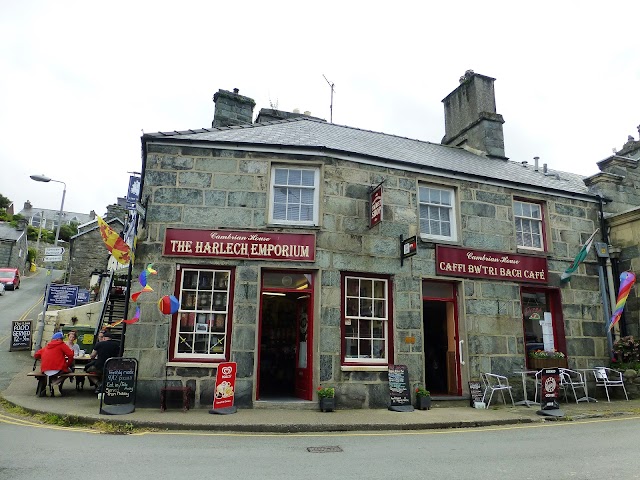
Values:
[(27, 205), (470, 116), (232, 109)]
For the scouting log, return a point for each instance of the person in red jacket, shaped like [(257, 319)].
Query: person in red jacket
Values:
[(55, 358)]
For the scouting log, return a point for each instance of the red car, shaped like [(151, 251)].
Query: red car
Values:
[(10, 277)]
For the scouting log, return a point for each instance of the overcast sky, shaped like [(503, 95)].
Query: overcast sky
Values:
[(81, 80)]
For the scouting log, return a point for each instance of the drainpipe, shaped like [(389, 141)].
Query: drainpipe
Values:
[(609, 302)]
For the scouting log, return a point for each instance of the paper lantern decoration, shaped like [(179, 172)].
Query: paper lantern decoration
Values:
[(168, 305)]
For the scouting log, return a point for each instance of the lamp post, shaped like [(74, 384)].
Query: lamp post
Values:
[(40, 327), (42, 178)]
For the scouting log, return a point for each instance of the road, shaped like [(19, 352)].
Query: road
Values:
[(22, 304), (596, 449)]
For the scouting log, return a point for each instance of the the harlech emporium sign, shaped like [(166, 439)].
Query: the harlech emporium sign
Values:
[(299, 247), (466, 262)]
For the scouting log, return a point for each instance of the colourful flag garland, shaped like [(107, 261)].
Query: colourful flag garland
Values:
[(627, 279)]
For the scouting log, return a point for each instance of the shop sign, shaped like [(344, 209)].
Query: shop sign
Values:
[(550, 386), (375, 203), (471, 263), (224, 393), (299, 247)]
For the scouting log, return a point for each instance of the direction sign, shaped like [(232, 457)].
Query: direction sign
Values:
[(52, 258), (54, 251)]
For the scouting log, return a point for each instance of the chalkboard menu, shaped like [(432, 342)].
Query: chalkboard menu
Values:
[(119, 381), (20, 335), (399, 393), (476, 391)]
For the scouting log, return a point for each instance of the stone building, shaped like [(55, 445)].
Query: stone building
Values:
[(285, 243), (13, 246), (619, 185)]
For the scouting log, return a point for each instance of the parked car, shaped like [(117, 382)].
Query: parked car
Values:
[(1, 288), (10, 277)]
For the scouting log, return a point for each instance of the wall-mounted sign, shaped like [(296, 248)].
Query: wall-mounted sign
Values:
[(300, 247), (375, 205), (133, 193), (408, 248), (471, 263), (63, 295)]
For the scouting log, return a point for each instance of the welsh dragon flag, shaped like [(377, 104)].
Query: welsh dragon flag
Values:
[(116, 245), (582, 254)]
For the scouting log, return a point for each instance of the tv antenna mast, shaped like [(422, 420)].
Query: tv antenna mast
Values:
[(331, 84)]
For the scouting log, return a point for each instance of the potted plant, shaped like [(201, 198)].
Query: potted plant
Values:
[(423, 398), (539, 359), (327, 397)]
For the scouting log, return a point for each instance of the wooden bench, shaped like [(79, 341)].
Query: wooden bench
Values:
[(186, 394), (44, 380)]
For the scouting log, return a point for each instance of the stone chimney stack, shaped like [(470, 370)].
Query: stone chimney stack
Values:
[(232, 109), (470, 116)]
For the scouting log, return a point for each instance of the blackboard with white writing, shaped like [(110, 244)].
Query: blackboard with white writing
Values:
[(399, 394), (20, 335), (119, 381), (476, 391)]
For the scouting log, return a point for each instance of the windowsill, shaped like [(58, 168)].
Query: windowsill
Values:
[(533, 251), (364, 368), (436, 241), (293, 225), (212, 364)]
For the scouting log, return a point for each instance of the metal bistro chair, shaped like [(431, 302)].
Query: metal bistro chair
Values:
[(570, 380), (495, 383), (607, 377)]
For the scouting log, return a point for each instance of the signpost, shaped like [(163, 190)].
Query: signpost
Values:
[(52, 258), (53, 251)]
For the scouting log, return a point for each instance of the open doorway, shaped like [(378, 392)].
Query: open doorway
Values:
[(285, 353), (441, 366)]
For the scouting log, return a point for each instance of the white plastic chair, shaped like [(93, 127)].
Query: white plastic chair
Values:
[(495, 383), (607, 377), (572, 379)]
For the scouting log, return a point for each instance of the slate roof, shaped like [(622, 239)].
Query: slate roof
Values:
[(9, 233), (308, 133)]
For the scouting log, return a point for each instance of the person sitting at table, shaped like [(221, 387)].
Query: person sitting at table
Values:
[(102, 351), (72, 337), (55, 358)]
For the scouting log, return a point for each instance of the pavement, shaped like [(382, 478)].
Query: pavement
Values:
[(292, 417)]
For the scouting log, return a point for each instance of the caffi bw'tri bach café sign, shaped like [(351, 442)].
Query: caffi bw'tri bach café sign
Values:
[(472, 263), (299, 247)]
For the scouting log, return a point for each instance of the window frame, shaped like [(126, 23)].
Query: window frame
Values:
[(541, 223), (216, 357), (453, 224), (316, 194), (344, 318)]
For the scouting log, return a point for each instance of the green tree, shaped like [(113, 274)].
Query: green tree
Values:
[(68, 231), (4, 202)]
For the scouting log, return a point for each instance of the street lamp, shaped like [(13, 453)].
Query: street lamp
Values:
[(40, 327), (42, 178)]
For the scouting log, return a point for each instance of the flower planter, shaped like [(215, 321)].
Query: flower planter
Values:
[(540, 363), (423, 402), (328, 404)]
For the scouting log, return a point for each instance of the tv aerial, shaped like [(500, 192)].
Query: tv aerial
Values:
[(331, 84)]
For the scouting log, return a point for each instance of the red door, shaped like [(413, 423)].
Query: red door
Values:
[(303, 348)]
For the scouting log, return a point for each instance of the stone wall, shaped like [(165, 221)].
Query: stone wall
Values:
[(87, 254), (204, 188)]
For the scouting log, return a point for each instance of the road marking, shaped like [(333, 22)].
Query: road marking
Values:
[(29, 423), (390, 434)]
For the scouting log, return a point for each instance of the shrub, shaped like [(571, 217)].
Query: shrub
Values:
[(627, 350)]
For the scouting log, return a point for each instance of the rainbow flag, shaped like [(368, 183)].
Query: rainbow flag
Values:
[(627, 279), (116, 245)]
